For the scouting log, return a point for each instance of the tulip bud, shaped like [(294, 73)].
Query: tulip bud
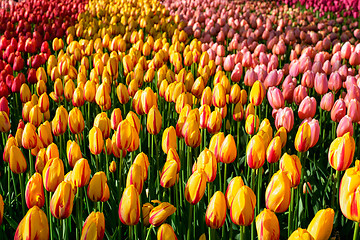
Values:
[(34, 193), (159, 214), (102, 97), (257, 93), (34, 225), (219, 96), (321, 225), (154, 121), (81, 173), (17, 161), (307, 108), (61, 203), (214, 122), (301, 234), (278, 194), (129, 208), (207, 162), (216, 211), (94, 226), (53, 174), (267, 225), (169, 139), (29, 136), (234, 185), (73, 152), (338, 110), (195, 187), (228, 151), (255, 152), (250, 127), (291, 166), (97, 187), (103, 123), (76, 121), (242, 207), (273, 151), (146, 209), (44, 133), (124, 135), (341, 152), (35, 116), (285, 118), (165, 232), (345, 125), (96, 141), (303, 138), (60, 121), (327, 101)]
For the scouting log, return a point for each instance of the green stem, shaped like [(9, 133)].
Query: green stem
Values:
[(80, 209), (190, 221), (50, 218), (31, 164), (22, 189), (253, 179), (258, 195), (148, 233), (107, 162), (225, 173), (291, 209), (120, 174), (356, 231), (242, 233)]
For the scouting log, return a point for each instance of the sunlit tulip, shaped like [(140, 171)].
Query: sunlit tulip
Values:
[(273, 151), (192, 134), (159, 214), (103, 123), (90, 91), (17, 161), (81, 173), (267, 225), (148, 100), (301, 234), (228, 151), (76, 121), (11, 141), (257, 93), (214, 122), (234, 185), (285, 118), (166, 232), (255, 152), (73, 152), (242, 207), (345, 126), (327, 101), (96, 141), (29, 136), (278, 194), (97, 187), (124, 134), (45, 134), (53, 174), (252, 125), (275, 98), (94, 226), (116, 118), (218, 96), (321, 225), (195, 187), (154, 121), (34, 193), (134, 121), (34, 225), (235, 94), (341, 152), (169, 139), (353, 110), (303, 138), (291, 166), (169, 172), (146, 209), (338, 110), (60, 121), (207, 162), (129, 208), (61, 203), (216, 211), (135, 177), (35, 116), (216, 142)]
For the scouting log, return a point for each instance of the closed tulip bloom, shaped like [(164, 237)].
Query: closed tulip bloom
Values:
[(250, 127), (61, 203), (135, 177), (321, 225), (90, 91), (235, 94), (291, 166), (192, 134), (315, 130), (124, 134), (102, 97), (301, 234), (129, 208), (40, 161), (228, 151), (96, 187), (76, 121), (44, 133), (353, 110), (275, 97), (168, 176), (81, 173), (341, 152), (273, 151), (219, 96), (207, 161), (307, 108), (285, 118), (34, 225), (204, 112), (135, 141), (303, 138), (94, 226), (216, 143), (29, 136), (154, 121), (338, 110), (242, 207), (195, 187), (52, 151), (148, 100), (60, 121), (17, 161), (234, 186), (96, 141), (146, 209), (216, 211), (53, 174), (255, 152), (142, 160), (44, 102), (159, 214), (321, 83), (169, 139), (257, 93), (278, 194), (34, 193), (206, 97), (103, 123), (4, 122), (166, 232), (115, 119), (345, 125), (35, 116), (267, 225), (73, 152), (214, 122)]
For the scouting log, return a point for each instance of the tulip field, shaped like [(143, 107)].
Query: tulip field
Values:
[(169, 119)]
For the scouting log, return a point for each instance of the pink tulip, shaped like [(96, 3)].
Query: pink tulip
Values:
[(345, 125), (300, 92), (346, 51), (229, 63), (335, 81), (275, 98), (307, 108), (327, 101), (353, 110), (284, 118), (315, 130), (338, 110), (321, 83), (250, 77), (237, 73), (288, 87), (307, 79)]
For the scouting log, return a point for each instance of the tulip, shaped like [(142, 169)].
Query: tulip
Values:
[(81, 173), (218, 96), (235, 94), (61, 203), (35, 116), (96, 140), (206, 96), (228, 150), (195, 187), (29, 136), (303, 138), (1, 209), (273, 150), (353, 110), (134, 121), (291, 166), (267, 225), (169, 172), (129, 208), (321, 225), (307, 108), (142, 160), (250, 123), (192, 134), (44, 133), (341, 152), (278, 194), (257, 93), (207, 162), (285, 118), (345, 125), (275, 97), (216, 211), (234, 185), (52, 151), (338, 110), (169, 139), (94, 226), (73, 152), (97, 187), (146, 209), (148, 100), (315, 130), (166, 232), (103, 123), (242, 207), (116, 118), (301, 234), (44, 102), (34, 225), (124, 135), (214, 122), (154, 121), (89, 91), (34, 193), (255, 152), (102, 97), (159, 214), (76, 121), (216, 142), (321, 83), (135, 177), (204, 112), (53, 174), (17, 161), (60, 120)]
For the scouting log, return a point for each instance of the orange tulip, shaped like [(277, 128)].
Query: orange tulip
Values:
[(96, 141), (96, 190), (53, 174), (255, 152), (34, 225), (169, 139), (234, 185), (257, 93), (94, 226), (228, 151), (166, 232), (168, 175), (242, 207), (159, 214), (124, 135), (154, 121), (216, 211), (34, 193), (61, 203), (303, 138), (291, 166), (195, 187), (73, 152), (60, 121), (216, 142), (29, 136), (81, 173), (278, 194), (76, 121), (17, 161), (135, 177), (267, 225), (129, 208)]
